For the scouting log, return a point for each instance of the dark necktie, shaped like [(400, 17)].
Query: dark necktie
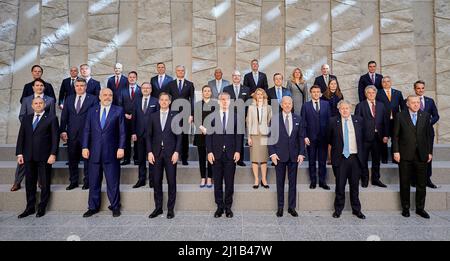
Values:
[(374, 111), (317, 106), (421, 104), (78, 107), (71, 83), (132, 92), (373, 78), (145, 105), (224, 123), (117, 82), (180, 86), (286, 123)]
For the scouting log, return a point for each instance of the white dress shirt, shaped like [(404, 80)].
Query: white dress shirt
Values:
[(314, 104), (143, 101), (290, 121), (351, 135), (219, 85)]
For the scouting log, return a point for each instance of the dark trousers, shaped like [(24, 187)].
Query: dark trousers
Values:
[(202, 162), (142, 158), (349, 169), (224, 169), (184, 147), (163, 163), (429, 169), (112, 176), (35, 170), (128, 131), (318, 151), (384, 147), (291, 168), (74, 149), (373, 147), (241, 159), (406, 169)]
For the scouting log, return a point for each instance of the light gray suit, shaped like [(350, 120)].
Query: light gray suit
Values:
[(215, 92)]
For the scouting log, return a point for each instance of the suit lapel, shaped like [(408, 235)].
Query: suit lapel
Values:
[(339, 127), (409, 120), (43, 118), (108, 118)]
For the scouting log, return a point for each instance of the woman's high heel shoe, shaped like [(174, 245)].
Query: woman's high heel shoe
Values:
[(264, 186)]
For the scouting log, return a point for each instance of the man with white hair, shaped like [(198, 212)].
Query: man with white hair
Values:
[(117, 82), (324, 79)]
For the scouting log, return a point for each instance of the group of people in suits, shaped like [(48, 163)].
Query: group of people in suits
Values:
[(283, 123)]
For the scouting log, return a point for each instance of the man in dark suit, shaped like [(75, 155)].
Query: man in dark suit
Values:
[(127, 100), (73, 119), (223, 145), (144, 107), (117, 82), (37, 72), (103, 145), (256, 79), (92, 86), (370, 78), (37, 145), (240, 92), (286, 153), (276, 93), (67, 86), (394, 103), (182, 89), (427, 104), (412, 148), (323, 80), (315, 117), (345, 134), (160, 81), (163, 147), (376, 133)]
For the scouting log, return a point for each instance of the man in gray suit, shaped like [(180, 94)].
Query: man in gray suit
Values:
[(218, 83)]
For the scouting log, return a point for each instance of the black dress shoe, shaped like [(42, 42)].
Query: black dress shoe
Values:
[(378, 183), (218, 213), (324, 186), (431, 185), (264, 186), (280, 212), (384, 161), (139, 184), (85, 187), (185, 163), (413, 185), (364, 183), (405, 213), (40, 213), (336, 214), (228, 213), (241, 163), (151, 184), (156, 213), (137, 162), (293, 212), (90, 213), (313, 186), (422, 213), (116, 213), (26, 213), (170, 214), (72, 186), (125, 162), (359, 215), (255, 186)]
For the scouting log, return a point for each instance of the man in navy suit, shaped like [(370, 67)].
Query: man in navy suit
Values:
[(345, 134), (394, 103), (37, 72), (286, 153), (92, 86), (256, 79), (370, 78), (73, 119), (163, 146), (427, 104), (315, 116), (277, 92), (67, 86), (117, 82), (238, 91), (127, 99), (182, 89), (160, 81), (144, 107), (103, 145), (223, 145), (323, 80), (37, 144), (376, 133)]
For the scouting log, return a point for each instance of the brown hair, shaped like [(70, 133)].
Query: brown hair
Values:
[(327, 94)]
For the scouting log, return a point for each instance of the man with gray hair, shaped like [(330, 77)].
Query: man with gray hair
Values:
[(218, 83), (324, 79), (376, 133), (117, 82), (67, 86)]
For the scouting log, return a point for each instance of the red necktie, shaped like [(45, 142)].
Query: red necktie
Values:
[(374, 112), (132, 93), (117, 82)]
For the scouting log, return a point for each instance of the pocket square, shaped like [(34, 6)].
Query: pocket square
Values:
[(244, 93), (152, 106), (297, 124)]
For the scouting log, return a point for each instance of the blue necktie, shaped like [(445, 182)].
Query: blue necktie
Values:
[(35, 123), (414, 119), (279, 95), (103, 119), (180, 86), (224, 123), (346, 141)]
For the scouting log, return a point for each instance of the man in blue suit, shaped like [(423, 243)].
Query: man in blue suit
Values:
[(67, 86), (427, 104), (163, 146), (144, 107), (160, 81), (376, 126), (256, 79), (103, 145), (370, 78), (218, 83), (223, 145), (345, 135), (73, 119), (315, 116), (394, 103), (276, 93), (92, 86), (286, 153), (117, 82)]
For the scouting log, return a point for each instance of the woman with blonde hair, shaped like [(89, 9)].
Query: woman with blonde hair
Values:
[(258, 120), (299, 89)]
